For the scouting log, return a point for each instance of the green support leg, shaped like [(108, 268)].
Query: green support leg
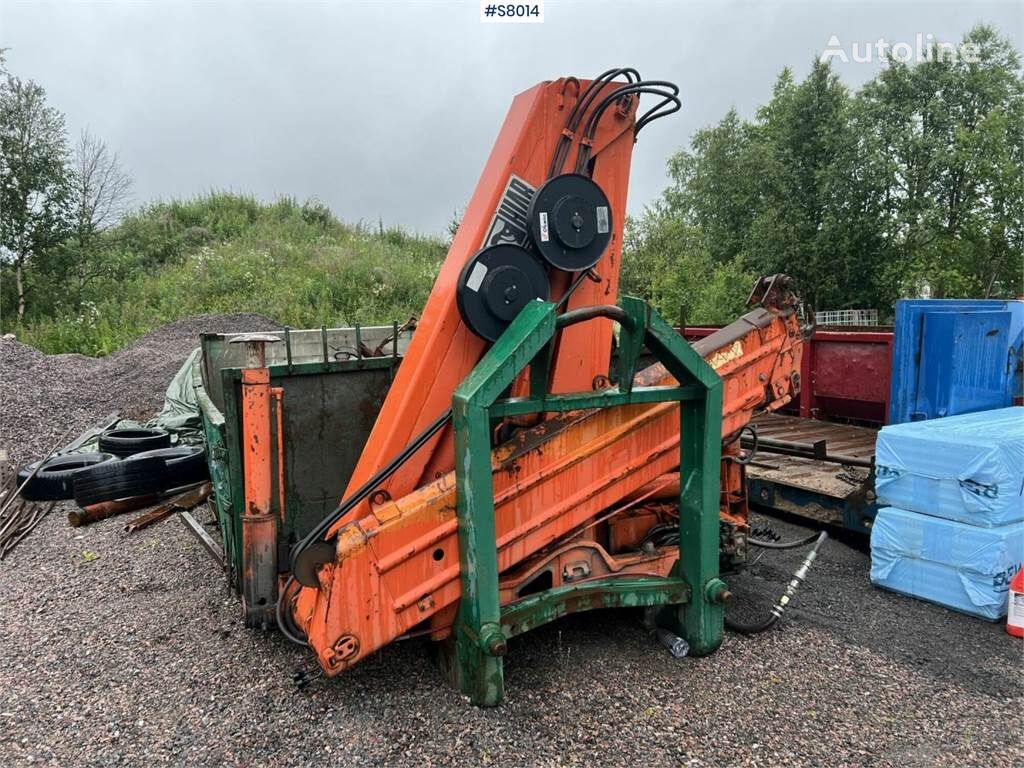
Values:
[(474, 652), (701, 621)]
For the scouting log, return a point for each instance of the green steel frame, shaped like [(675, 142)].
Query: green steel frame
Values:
[(691, 596)]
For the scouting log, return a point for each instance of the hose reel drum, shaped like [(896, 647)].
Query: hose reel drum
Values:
[(496, 284), (569, 223)]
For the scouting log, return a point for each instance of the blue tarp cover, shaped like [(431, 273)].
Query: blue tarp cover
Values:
[(960, 566), (968, 468)]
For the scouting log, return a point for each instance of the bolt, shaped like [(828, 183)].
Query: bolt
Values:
[(716, 591), (577, 220), (492, 641)]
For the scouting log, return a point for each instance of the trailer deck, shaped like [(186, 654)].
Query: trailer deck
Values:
[(828, 491)]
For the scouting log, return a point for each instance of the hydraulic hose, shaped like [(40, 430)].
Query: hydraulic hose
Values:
[(782, 544), (752, 628), (284, 623)]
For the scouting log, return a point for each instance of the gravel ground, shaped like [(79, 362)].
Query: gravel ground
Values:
[(134, 653)]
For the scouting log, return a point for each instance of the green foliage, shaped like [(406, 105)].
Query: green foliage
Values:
[(665, 261), (912, 186), (35, 183), (293, 262)]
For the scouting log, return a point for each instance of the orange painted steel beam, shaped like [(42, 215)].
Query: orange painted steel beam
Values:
[(259, 526), (443, 351), (399, 565)]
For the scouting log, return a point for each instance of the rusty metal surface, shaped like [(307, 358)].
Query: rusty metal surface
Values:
[(325, 421), (844, 439), (809, 474), (187, 499), (397, 567), (18, 518), (846, 373), (104, 509), (196, 529), (300, 346)]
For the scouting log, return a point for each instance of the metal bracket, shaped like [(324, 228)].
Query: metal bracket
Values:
[(196, 528)]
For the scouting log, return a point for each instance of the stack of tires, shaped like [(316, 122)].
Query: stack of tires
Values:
[(130, 463)]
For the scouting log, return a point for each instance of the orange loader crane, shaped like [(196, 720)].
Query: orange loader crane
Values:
[(516, 471)]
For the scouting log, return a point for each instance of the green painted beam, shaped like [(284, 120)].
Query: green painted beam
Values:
[(472, 657), (615, 592)]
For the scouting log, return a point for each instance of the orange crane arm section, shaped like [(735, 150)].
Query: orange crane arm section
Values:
[(443, 350)]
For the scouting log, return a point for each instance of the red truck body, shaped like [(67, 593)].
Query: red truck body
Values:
[(845, 373)]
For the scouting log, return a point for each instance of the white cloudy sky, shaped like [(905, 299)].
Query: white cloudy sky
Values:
[(389, 109)]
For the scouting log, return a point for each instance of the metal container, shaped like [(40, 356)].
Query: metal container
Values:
[(955, 356), (844, 374), (334, 381)]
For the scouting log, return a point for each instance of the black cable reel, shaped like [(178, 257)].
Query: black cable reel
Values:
[(496, 284), (570, 222)]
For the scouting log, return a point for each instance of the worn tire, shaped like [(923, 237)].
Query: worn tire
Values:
[(55, 479), (186, 464), (120, 480), (127, 442)]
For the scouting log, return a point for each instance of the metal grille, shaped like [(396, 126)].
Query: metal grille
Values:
[(847, 317)]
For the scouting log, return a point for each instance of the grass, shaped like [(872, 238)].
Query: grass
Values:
[(295, 263)]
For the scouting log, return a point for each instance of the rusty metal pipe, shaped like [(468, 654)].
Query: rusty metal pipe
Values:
[(259, 524), (104, 509)]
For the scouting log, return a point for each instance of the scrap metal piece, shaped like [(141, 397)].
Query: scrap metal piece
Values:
[(185, 497), (196, 529), (93, 513), (188, 499), (29, 516)]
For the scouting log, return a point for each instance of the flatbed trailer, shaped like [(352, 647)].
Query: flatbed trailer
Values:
[(831, 491), (846, 375)]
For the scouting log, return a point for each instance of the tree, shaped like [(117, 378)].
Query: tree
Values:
[(35, 180), (950, 130), (912, 186), (99, 196), (101, 188)]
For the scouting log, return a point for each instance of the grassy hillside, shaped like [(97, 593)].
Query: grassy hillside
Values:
[(295, 263)]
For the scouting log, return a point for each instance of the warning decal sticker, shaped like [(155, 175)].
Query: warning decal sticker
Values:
[(509, 224)]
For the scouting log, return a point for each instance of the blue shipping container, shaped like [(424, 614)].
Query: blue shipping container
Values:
[(955, 356)]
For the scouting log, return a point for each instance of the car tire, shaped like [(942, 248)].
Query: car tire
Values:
[(54, 480), (129, 441), (120, 480), (186, 464)]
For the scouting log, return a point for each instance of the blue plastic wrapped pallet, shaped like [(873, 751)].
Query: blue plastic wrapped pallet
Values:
[(968, 468), (960, 566)]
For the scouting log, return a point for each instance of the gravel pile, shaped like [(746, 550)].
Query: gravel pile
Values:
[(120, 649), (42, 395)]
